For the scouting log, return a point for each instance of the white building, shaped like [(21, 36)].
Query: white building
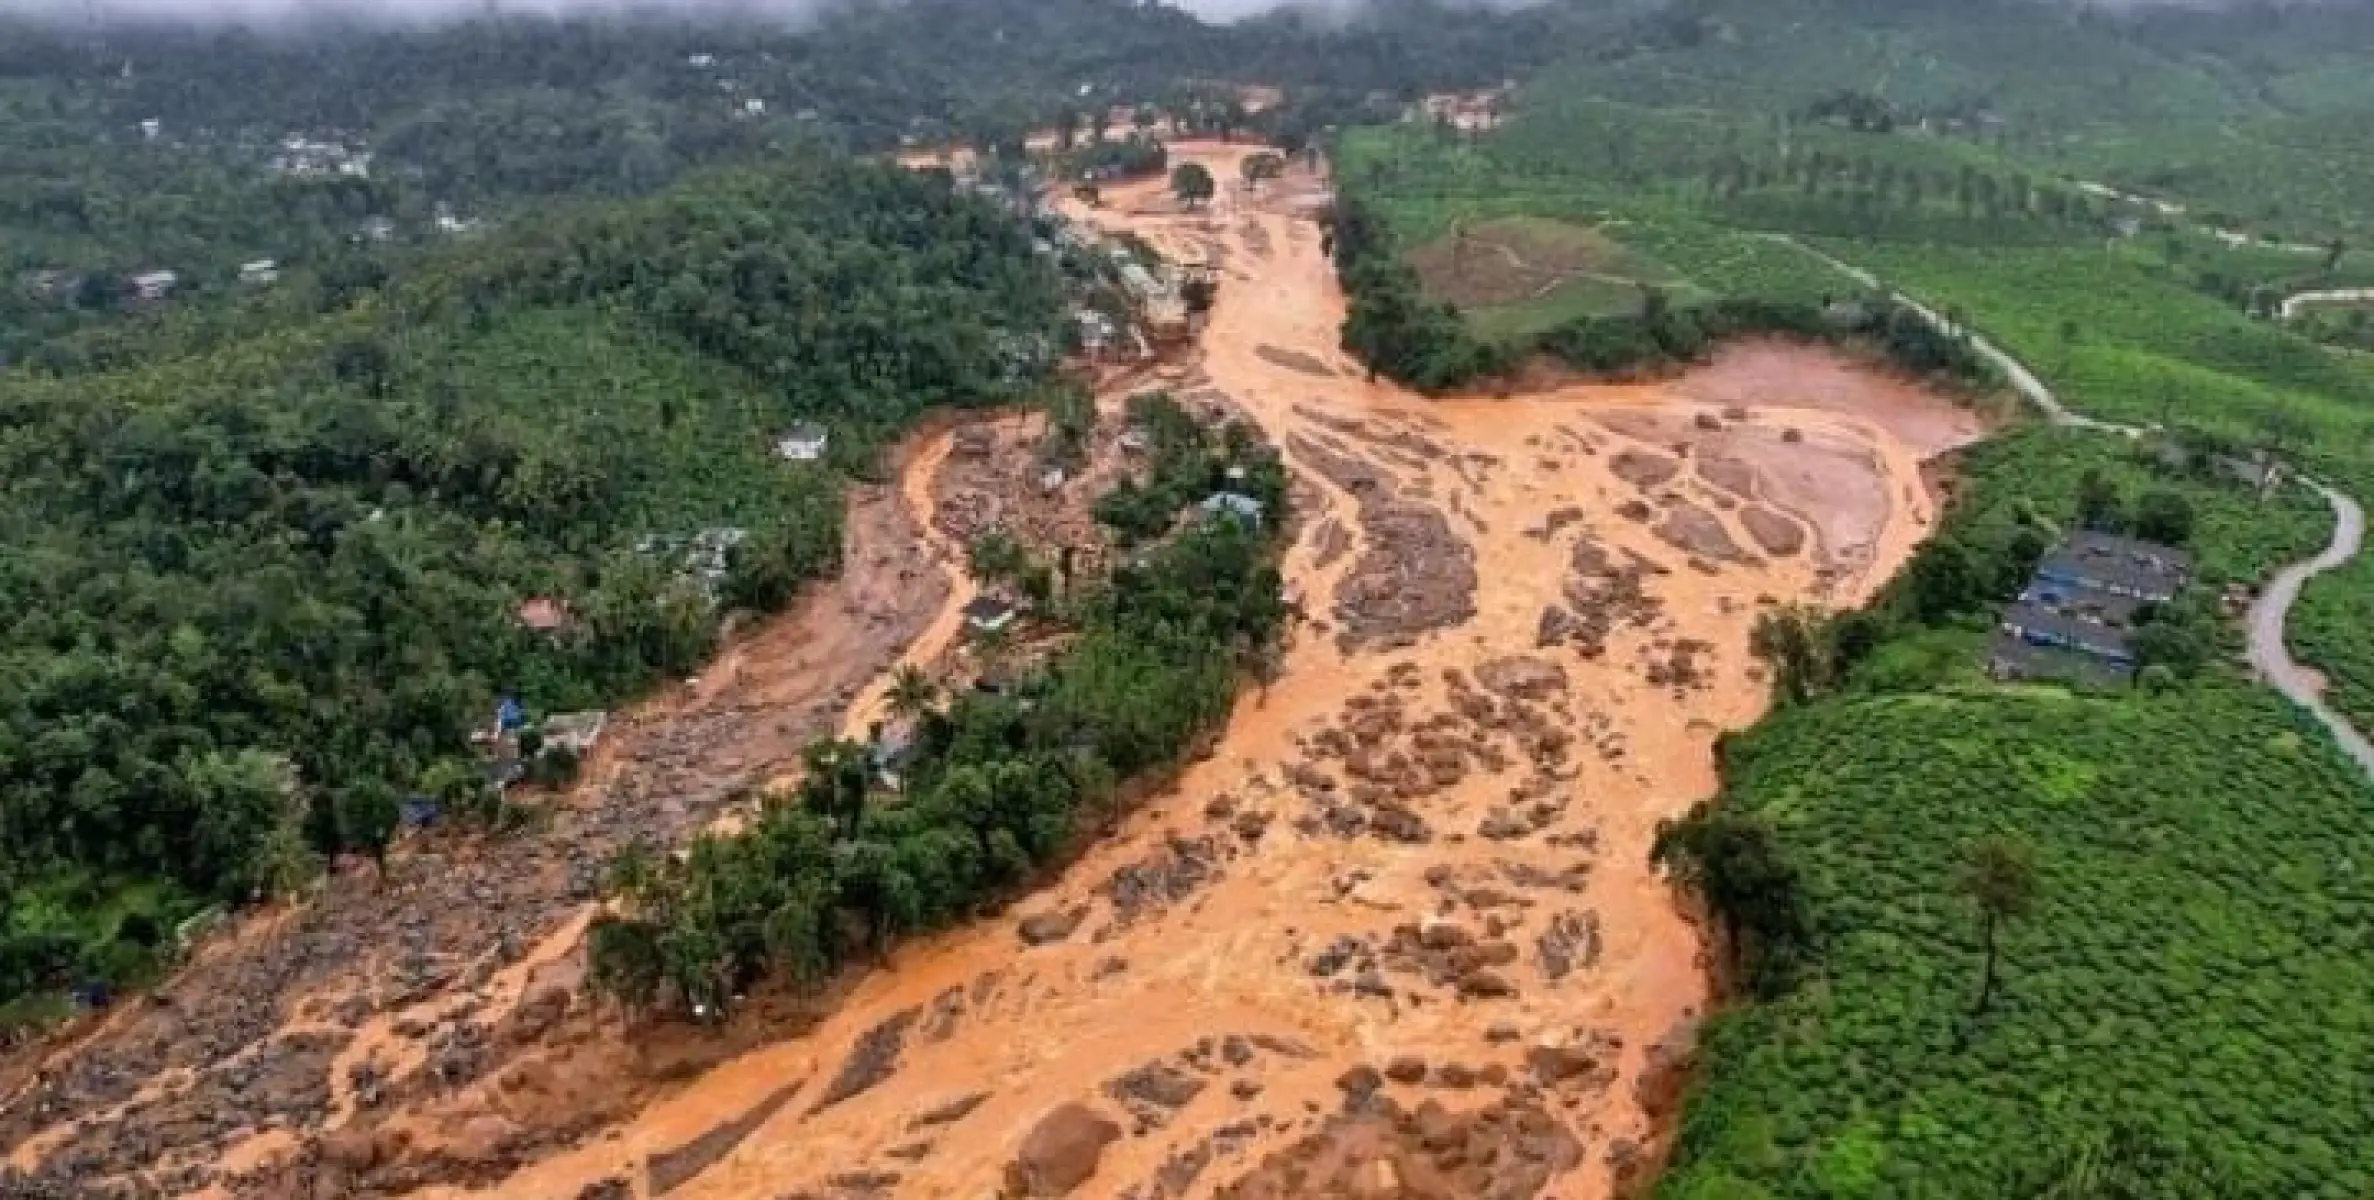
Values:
[(259, 272), (155, 285), (804, 442)]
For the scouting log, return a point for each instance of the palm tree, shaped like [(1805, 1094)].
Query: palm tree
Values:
[(1999, 875), (912, 693)]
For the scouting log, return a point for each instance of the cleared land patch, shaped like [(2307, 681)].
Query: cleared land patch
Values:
[(1514, 275)]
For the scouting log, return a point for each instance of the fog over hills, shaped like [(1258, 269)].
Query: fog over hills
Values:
[(259, 12)]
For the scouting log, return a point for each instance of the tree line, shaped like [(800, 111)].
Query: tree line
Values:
[(994, 788), (1398, 333), (260, 591)]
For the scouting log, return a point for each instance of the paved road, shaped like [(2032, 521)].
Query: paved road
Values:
[(2294, 303), (2272, 659), (2271, 612)]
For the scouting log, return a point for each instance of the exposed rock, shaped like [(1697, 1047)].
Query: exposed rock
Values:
[(353, 1151), (1359, 1083), (671, 1169), (1486, 984), (1775, 534), (1042, 928), (1644, 470), (1511, 1150), (1572, 940), (1523, 677), (948, 1112), (1699, 533), (873, 1059), (1061, 1152), (1159, 1084)]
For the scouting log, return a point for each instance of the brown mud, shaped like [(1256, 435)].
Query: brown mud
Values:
[(1395, 935)]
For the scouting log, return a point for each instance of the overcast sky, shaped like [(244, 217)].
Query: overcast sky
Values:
[(266, 11), (270, 11)]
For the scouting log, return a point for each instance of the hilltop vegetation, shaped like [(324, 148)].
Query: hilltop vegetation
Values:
[(330, 149), (256, 592)]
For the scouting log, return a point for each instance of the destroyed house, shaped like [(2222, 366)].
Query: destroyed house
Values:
[(1233, 504)]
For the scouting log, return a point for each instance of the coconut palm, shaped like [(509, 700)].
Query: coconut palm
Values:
[(912, 693)]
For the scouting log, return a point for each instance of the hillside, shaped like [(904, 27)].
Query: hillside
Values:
[(290, 564), (2189, 841)]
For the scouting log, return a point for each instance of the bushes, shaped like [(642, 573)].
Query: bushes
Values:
[(1388, 323), (995, 789), (2190, 842), (1187, 463), (281, 573)]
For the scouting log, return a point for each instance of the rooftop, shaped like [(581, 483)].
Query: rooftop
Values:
[(2120, 562), (1232, 503), (2086, 603), (2009, 657), (2034, 621), (988, 610)]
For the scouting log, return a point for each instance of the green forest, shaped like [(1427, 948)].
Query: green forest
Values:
[(258, 591), (466, 315), (412, 136)]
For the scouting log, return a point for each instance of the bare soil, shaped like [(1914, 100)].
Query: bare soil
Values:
[(1394, 935)]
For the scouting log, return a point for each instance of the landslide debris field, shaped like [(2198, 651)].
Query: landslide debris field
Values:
[(1398, 930)]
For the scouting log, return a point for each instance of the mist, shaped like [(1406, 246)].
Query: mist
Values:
[(270, 13)]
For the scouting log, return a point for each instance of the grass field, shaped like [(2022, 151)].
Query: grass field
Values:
[(1515, 276)]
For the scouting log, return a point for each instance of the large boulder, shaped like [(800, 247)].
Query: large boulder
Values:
[(1061, 1152)]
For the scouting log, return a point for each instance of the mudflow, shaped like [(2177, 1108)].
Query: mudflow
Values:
[(1396, 935)]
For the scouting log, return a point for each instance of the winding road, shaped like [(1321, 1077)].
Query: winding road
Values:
[(2270, 613), (2294, 305)]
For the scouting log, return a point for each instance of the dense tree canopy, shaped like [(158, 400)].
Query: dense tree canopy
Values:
[(271, 583)]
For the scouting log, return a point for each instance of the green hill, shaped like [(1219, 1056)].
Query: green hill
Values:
[(290, 559)]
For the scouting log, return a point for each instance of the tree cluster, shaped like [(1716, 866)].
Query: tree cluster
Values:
[(1187, 461), (259, 592), (993, 788)]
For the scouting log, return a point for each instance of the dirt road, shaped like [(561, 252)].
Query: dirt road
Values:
[(1414, 869)]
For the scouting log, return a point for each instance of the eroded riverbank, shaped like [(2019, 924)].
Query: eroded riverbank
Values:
[(1414, 868), (1417, 862)]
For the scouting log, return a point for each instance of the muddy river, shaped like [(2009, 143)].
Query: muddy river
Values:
[(1412, 874), (1423, 850)]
